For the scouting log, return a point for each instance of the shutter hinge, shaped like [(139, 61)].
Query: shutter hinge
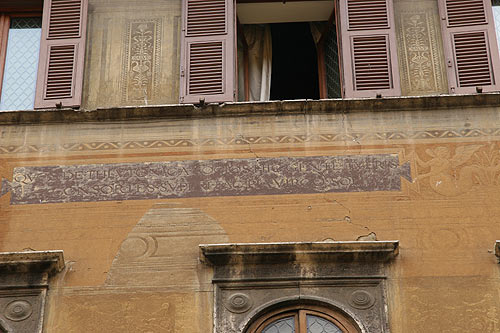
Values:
[(182, 71)]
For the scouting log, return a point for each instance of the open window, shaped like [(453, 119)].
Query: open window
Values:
[(320, 49), (42, 47)]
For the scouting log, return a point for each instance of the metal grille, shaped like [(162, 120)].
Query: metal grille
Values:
[(21, 64), (26, 23), (332, 64)]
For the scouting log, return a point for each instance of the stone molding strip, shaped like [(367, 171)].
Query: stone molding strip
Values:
[(255, 253), (418, 103), (32, 261)]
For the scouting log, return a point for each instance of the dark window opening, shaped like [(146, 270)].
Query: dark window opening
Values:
[(295, 62)]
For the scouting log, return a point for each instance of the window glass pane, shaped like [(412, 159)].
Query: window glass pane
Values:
[(496, 15), (21, 64), (285, 325), (332, 63), (319, 325)]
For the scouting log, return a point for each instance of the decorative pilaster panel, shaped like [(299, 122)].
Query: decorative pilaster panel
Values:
[(420, 51), (141, 61)]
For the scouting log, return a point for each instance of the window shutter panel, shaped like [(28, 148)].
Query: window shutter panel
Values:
[(207, 54), (62, 50), (471, 48), (369, 54)]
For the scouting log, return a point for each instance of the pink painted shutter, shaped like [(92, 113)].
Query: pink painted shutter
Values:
[(62, 50), (207, 54), (369, 54), (470, 45)]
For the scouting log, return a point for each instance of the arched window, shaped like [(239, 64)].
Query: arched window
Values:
[(303, 319)]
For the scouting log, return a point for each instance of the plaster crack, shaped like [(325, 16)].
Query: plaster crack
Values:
[(250, 148)]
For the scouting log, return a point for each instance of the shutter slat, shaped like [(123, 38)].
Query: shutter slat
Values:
[(472, 59), (207, 51), (369, 55), (206, 17), (371, 64), (465, 12), (65, 19), (470, 45), (367, 14), (62, 53)]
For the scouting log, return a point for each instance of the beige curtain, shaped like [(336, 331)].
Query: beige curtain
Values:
[(258, 37)]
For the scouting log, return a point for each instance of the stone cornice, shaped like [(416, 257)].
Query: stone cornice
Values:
[(273, 108), (255, 253), (32, 262)]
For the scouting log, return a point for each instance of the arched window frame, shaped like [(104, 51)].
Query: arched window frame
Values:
[(300, 312)]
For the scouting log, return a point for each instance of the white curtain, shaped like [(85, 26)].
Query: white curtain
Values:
[(258, 37)]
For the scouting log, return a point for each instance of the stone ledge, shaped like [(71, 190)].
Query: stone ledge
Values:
[(256, 253), (33, 261), (273, 108)]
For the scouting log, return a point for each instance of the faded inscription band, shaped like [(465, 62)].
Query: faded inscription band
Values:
[(207, 178)]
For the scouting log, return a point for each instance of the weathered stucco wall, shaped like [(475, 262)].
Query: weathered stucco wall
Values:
[(132, 265), (133, 53)]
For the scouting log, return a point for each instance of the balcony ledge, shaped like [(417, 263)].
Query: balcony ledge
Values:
[(275, 108)]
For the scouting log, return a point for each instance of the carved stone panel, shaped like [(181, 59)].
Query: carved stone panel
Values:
[(21, 310), (420, 51), (141, 61), (237, 304)]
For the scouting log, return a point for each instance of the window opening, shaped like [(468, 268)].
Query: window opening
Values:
[(332, 66), (21, 64), (303, 319), (496, 17), (295, 64)]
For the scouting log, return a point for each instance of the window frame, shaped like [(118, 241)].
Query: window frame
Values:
[(299, 312), (332, 23), (5, 19)]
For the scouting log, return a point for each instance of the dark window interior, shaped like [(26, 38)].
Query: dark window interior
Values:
[(295, 62)]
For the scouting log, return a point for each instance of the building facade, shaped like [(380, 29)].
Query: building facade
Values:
[(175, 166)]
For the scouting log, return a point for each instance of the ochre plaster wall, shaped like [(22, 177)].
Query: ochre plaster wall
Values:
[(132, 265)]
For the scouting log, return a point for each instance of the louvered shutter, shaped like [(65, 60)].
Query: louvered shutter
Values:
[(207, 54), (470, 45), (369, 48), (62, 50)]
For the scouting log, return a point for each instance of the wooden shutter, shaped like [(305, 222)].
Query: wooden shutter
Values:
[(62, 50), (369, 48), (207, 54), (470, 45)]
